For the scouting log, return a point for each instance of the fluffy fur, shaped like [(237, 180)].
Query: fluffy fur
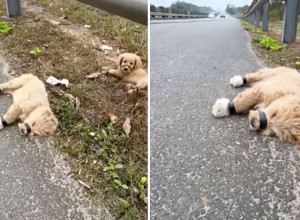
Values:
[(130, 71), (277, 93), (30, 105)]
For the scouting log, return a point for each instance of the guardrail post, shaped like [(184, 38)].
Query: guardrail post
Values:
[(265, 17), (257, 18), (290, 21), (253, 19), (13, 8)]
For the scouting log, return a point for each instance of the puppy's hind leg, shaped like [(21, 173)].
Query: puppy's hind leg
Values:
[(250, 78), (11, 116), (241, 104)]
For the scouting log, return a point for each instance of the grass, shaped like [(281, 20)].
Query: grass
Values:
[(129, 35), (101, 155), (283, 54)]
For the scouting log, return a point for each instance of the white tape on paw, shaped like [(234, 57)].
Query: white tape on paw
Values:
[(220, 108), (236, 81)]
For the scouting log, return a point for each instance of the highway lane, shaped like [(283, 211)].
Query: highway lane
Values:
[(203, 167)]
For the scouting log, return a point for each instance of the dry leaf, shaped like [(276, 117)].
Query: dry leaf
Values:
[(96, 43), (205, 200), (113, 118), (127, 126), (53, 22), (84, 184), (93, 75), (77, 104)]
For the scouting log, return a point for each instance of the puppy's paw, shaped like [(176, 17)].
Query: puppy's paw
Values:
[(236, 81), (254, 120), (1, 125), (130, 86), (221, 108), (131, 91), (105, 70)]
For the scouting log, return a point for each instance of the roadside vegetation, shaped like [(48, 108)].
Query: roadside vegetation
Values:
[(109, 163), (268, 45)]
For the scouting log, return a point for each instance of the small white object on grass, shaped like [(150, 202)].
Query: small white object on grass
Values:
[(53, 81), (221, 108), (236, 81), (106, 48)]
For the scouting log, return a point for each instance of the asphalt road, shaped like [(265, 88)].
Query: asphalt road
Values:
[(203, 167), (35, 179)]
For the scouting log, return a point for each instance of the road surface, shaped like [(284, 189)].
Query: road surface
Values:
[(35, 179), (203, 167)]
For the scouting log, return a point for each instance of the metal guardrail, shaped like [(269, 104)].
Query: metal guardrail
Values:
[(135, 10), (259, 10), (172, 15), (256, 4)]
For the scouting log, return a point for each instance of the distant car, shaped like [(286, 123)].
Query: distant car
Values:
[(222, 16)]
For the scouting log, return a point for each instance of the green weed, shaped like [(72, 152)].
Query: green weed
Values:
[(37, 51), (66, 114), (270, 43), (5, 28)]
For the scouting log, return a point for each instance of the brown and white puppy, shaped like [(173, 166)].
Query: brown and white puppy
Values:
[(30, 105), (130, 71), (275, 97)]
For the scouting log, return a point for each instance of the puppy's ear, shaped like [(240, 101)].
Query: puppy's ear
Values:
[(120, 59), (138, 62)]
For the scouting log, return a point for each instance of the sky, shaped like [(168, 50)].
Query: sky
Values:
[(219, 5)]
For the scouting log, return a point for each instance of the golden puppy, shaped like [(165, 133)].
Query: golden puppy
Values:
[(275, 94), (130, 71), (30, 105)]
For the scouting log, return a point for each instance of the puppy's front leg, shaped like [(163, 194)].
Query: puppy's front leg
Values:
[(250, 78), (241, 104), (116, 73), (11, 116)]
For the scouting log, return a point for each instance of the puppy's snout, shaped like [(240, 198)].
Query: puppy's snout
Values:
[(252, 122), (126, 68), (23, 131)]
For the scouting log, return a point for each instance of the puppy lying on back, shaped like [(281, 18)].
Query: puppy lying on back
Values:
[(30, 105), (274, 96), (130, 71)]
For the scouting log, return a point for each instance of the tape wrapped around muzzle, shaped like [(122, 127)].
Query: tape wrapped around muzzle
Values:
[(263, 121), (231, 108)]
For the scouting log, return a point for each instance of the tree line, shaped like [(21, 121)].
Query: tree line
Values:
[(182, 8)]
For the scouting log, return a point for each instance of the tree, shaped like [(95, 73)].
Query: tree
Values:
[(152, 8), (230, 9), (278, 6), (188, 8)]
